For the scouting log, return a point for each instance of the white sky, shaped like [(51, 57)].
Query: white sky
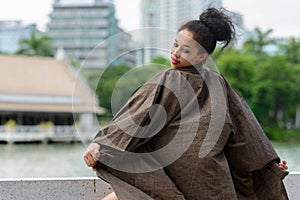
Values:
[(281, 16)]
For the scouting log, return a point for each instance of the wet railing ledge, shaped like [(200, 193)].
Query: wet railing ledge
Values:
[(86, 188)]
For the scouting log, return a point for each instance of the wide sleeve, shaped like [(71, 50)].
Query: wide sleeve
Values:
[(252, 159), (148, 111)]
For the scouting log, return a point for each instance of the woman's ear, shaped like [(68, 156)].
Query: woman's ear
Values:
[(202, 57)]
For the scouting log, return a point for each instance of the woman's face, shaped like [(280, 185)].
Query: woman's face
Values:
[(185, 50)]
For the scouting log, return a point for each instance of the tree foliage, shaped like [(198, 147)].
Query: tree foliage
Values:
[(114, 85), (269, 83), (292, 50), (37, 44), (239, 70), (106, 80), (273, 91), (258, 41)]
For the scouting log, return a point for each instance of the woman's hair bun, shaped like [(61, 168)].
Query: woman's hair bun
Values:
[(219, 23)]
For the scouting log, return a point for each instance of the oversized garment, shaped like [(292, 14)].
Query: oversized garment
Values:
[(186, 134)]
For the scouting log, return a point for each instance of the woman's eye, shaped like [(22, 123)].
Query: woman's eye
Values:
[(175, 44), (186, 51)]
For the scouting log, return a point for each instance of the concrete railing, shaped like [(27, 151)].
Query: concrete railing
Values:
[(292, 184), (86, 188), (54, 189)]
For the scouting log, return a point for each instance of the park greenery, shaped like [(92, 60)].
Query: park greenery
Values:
[(269, 82), (37, 44)]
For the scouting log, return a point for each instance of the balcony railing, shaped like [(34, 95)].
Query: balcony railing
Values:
[(45, 134)]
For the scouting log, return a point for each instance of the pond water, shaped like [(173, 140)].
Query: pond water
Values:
[(65, 160)]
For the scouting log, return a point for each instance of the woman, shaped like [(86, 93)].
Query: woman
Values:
[(186, 134)]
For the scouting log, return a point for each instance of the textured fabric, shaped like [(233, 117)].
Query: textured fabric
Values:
[(206, 144)]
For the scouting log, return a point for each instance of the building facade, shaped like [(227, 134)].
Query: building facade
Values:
[(10, 34), (83, 29), (167, 16), (47, 91)]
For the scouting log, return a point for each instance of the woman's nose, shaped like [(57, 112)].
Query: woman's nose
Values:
[(176, 53)]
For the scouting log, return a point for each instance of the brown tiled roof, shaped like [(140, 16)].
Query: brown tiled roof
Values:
[(34, 75), (24, 75)]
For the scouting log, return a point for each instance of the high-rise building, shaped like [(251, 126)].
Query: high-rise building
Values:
[(10, 34), (83, 28), (166, 16), (242, 33)]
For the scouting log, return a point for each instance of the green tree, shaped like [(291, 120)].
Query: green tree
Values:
[(260, 39), (239, 69), (162, 61), (104, 83), (37, 44), (296, 81), (292, 50), (75, 63), (115, 84), (118, 83), (273, 92)]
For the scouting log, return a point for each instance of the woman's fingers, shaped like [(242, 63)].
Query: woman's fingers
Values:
[(89, 160), (91, 156), (284, 162), (94, 150), (86, 158), (283, 165)]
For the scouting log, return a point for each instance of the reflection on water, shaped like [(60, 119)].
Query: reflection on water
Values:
[(65, 160), (289, 152), (43, 160)]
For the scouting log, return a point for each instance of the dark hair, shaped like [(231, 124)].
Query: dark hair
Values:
[(213, 26)]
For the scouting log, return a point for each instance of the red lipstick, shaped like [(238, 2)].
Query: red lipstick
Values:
[(173, 61)]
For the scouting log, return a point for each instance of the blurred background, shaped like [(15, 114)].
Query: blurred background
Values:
[(61, 60)]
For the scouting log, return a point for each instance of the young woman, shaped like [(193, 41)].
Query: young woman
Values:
[(186, 134)]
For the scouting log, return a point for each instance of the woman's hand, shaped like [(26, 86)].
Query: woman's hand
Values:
[(283, 165), (92, 155)]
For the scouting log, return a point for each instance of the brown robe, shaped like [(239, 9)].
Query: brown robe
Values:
[(204, 144)]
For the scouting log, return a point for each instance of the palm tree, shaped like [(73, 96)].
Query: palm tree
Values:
[(296, 82), (37, 44), (292, 50), (259, 40)]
